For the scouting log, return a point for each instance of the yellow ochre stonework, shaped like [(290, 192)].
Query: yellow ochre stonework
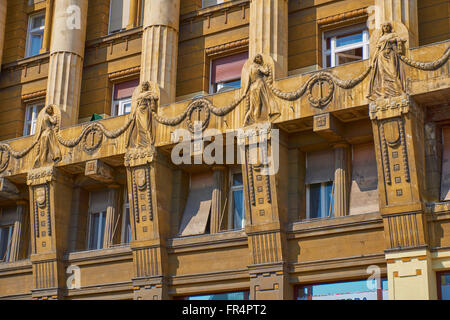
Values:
[(92, 206)]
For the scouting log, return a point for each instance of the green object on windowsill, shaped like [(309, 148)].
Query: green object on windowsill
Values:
[(96, 117)]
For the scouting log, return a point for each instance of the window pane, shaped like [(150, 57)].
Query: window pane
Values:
[(35, 45), (97, 231), (237, 179), (127, 236), (38, 22), (315, 204), (5, 235), (328, 61), (221, 296), (349, 56), (354, 290), (445, 287), (347, 39), (238, 209), (102, 230), (328, 192), (127, 108)]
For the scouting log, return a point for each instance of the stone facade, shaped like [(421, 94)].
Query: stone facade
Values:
[(370, 131)]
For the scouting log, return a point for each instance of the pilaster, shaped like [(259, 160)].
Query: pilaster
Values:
[(400, 12), (268, 32), (341, 180), (266, 196), (50, 191), (3, 9), (48, 26), (149, 188), (66, 58), (160, 46)]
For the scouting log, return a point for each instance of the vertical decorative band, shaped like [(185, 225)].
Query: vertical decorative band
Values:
[(251, 186), (135, 198), (404, 150), (47, 204), (384, 153), (35, 213), (149, 193)]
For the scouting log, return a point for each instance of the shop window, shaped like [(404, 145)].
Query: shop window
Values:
[(226, 72), (5, 242), (237, 208), (345, 45), (445, 179), (444, 285), (31, 114), (122, 93), (352, 290), (119, 15), (364, 189), (36, 24), (319, 184), (241, 295), (209, 3), (196, 216)]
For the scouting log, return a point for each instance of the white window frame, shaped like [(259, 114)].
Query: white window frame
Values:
[(36, 31), (333, 50), (121, 108), (232, 189), (29, 127), (212, 86), (8, 245), (96, 247), (126, 206), (324, 215)]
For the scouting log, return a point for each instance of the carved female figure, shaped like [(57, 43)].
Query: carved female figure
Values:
[(142, 105), (262, 102), (48, 149), (387, 75)]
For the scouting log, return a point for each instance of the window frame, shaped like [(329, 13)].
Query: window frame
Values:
[(121, 102), (206, 5), (322, 198), (125, 207), (109, 20), (365, 44), (213, 86), (101, 214), (232, 189), (35, 31), (29, 127), (8, 245)]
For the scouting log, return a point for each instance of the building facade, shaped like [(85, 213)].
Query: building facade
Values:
[(348, 102)]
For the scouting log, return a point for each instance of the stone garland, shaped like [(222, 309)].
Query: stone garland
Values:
[(203, 103)]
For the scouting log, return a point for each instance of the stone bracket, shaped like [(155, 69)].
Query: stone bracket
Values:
[(100, 171), (329, 127)]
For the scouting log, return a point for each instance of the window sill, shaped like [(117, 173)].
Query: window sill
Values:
[(117, 251), (207, 241), (20, 266)]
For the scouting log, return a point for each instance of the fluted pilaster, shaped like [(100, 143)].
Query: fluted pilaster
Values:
[(217, 199), (160, 46), (66, 57), (3, 5), (268, 32), (341, 180)]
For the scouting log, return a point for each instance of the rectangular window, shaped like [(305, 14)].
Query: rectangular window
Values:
[(319, 184), (5, 242), (96, 230), (226, 72), (241, 295), (345, 45), (444, 290), (197, 212), (36, 24), (126, 233), (364, 189), (119, 14), (31, 115), (98, 203), (122, 93), (209, 3), (445, 178), (237, 213), (353, 290)]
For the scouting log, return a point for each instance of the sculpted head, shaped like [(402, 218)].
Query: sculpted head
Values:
[(386, 27), (49, 109), (145, 86), (258, 59)]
